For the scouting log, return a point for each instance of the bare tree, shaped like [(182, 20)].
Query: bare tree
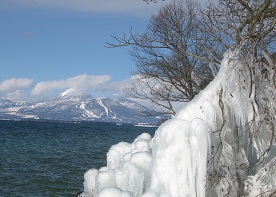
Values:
[(249, 26), (252, 21), (171, 57)]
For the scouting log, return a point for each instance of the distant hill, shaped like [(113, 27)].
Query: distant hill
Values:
[(72, 106)]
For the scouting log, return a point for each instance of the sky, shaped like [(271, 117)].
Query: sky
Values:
[(48, 46)]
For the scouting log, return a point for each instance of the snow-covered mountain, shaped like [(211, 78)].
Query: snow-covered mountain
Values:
[(73, 106)]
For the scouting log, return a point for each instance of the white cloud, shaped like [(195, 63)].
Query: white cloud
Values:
[(96, 85), (11, 85), (122, 6), (17, 95), (118, 86), (82, 82), (15, 89)]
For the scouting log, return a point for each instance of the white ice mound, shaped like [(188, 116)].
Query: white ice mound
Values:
[(127, 173), (180, 157), (210, 148)]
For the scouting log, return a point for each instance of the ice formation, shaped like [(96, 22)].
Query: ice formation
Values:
[(210, 148), (127, 173)]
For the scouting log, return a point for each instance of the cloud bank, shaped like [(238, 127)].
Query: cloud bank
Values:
[(15, 89), (24, 88), (82, 82), (11, 85)]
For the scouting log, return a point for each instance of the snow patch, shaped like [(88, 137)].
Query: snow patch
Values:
[(87, 112), (67, 92), (99, 100)]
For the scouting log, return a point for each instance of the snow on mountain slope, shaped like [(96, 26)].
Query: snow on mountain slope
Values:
[(99, 100), (87, 113), (67, 92), (9, 109), (72, 105)]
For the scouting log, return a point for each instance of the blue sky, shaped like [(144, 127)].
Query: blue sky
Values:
[(48, 46)]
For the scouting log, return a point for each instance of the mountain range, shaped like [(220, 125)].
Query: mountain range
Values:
[(71, 106)]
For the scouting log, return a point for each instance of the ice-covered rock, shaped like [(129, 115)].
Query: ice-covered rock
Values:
[(216, 145)]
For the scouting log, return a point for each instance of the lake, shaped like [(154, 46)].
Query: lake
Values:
[(50, 158)]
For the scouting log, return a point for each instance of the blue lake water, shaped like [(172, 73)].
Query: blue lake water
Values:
[(50, 158)]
